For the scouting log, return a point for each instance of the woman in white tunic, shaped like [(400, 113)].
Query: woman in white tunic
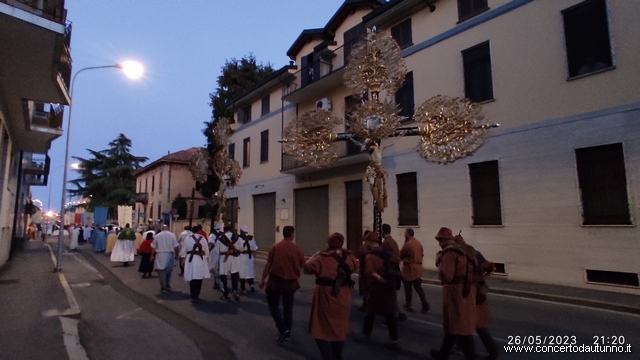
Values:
[(195, 250), (74, 238), (246, 246), (214, 253)]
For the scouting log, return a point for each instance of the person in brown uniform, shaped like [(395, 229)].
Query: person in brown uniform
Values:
[(483, 316), (391, 244), (329, 322), (411, 255), (456, 271), (283, 266), (382, 299), (363, 288)]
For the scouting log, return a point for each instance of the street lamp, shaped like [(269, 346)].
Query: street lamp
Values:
[(133, 70)]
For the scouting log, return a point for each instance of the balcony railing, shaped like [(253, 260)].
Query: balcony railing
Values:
[(344, 149), (49, 9), (46, 115), (65, 62), (326, 62)]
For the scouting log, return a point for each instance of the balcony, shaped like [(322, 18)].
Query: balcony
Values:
[(48, 9), (348, 156), (35, 168), (36, 68), (318, 76), (142, 198)]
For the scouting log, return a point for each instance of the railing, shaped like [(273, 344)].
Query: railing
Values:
[(65, 62), (343, 148), (49, 9), (326, 62), (47, 115)]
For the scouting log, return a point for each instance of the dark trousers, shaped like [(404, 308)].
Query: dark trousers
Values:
[(195, 286), (392, 324), (330, 350), (489, 343), (247, 281), (234, 283), (408, 293), (273, 298), (466, 345)]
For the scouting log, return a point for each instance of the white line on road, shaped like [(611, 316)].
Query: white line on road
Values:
[(71, 337), (87, 265)]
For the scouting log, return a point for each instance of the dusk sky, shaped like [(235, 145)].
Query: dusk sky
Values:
[(182, 46)]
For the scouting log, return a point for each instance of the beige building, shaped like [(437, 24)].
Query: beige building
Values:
[(35, 70), (553, 195), (159, 183)]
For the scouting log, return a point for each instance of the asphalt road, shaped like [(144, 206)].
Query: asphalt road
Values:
[(221, 328)]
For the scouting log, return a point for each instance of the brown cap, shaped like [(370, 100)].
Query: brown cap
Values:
[(444, 234), (371, 237), (335, 240)]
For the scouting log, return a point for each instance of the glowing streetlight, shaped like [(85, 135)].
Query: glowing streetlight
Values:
[(132, 70)]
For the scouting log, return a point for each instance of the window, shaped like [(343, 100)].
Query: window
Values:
[(586, 35), (485, 193), (266, 105), (244, 115), (139, 186), (351, 37), (404, 97), (407, 199), (150, 212), (247, 152), (401, 33), (160, 184), (478, 85), (603, 185), (153, 184), (159, 210), (146, 182), (470, 8), (232, 151), (264, 146)]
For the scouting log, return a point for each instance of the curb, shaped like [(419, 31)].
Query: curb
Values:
[(555, 298)]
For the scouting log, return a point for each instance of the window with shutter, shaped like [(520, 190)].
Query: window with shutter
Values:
[(264, 146), (404, 98), (407, 199), (485, 193), (478, 83), (603, 185), (401, 33)]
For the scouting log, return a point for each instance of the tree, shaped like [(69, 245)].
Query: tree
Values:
[(236, 78), (107, 179), (180, 204)]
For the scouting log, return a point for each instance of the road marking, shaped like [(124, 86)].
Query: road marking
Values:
[(127, 314), (85, 284), (71, 337), (74, 308), (88, 266)]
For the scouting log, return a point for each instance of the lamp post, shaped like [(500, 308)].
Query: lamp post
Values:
[(133, 70)]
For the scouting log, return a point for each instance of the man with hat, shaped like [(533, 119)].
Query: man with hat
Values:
[(246, 246), (329, 321), (456, 271)]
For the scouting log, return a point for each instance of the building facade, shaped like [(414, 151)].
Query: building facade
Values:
[(552, 196), (159, 183), (35, 71)]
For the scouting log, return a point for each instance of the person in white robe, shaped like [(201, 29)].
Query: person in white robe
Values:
[(87, 232), (246, 246), (165, 249), (183, 235), (74, 237), (195, 250), (123, 249), (229, 263)]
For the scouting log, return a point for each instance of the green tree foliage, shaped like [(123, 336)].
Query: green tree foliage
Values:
[(106, 178), (180, 204), (236, 78)]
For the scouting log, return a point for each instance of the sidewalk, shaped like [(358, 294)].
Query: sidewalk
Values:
[(75, 314), (599, 299)]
